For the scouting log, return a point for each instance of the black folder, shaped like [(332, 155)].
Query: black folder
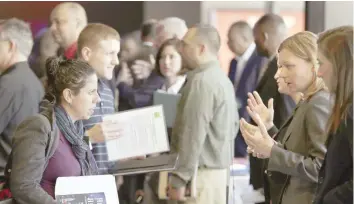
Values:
[(163, 162)]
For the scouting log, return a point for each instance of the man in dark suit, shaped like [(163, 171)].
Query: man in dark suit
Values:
[(243, 72), (269, 31)]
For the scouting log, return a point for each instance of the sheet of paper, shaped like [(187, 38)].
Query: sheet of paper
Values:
[(144, 132), (169, 103), (86, 189)]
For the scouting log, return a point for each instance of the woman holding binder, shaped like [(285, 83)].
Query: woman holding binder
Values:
[(169, 65), (50, 144)]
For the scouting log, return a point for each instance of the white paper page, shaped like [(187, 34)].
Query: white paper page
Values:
[(144, 132), (88, 185)]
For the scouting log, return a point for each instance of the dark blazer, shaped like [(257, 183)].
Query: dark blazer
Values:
[(130, 98), (247, 83), (283, 107), (300, 152), (335, 182), (29, 158)]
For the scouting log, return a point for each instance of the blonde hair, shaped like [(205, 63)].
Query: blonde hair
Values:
[(337, 46), (93, 33), (304, 46)]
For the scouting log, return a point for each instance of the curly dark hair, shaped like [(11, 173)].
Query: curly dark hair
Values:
[(63, 74)]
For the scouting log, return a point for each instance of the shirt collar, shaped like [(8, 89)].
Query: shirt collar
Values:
[(247, 54), (70, 52), (174, 89), (13, 67), (102, 83), (203, 67), (150, 44)]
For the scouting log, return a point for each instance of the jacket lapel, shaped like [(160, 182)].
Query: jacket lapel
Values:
[(290, 120), (232, 70), (248, 70), (271, 69)]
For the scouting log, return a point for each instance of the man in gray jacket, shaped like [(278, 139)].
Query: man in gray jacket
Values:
[(206, 122), (20, 89)]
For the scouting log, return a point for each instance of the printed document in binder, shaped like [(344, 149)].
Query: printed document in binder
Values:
[(143, 133), (86, 189)]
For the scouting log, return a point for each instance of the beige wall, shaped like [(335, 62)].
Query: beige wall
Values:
[(189, 11), (338, 13)]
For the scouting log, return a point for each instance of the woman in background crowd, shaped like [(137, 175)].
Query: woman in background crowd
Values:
[(335, 182), (295, 154), (50, 145), (170, 66)]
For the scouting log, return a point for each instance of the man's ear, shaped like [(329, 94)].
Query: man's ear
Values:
[(265, 36), (12, 46), (86, 53), (202, 48)]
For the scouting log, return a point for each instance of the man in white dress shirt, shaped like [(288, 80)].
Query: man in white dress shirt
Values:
[(244, 72)]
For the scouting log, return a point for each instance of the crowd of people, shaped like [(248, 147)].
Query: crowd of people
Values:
[(285, 104)]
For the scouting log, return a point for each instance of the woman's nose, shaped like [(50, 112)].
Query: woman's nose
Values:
[(167, 61)]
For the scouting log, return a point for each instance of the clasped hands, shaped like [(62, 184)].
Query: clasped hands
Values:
[(258, 141)]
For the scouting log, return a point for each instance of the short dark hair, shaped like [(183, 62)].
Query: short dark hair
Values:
[(210, 35), (175, 42), (271, 22), (63, 74), (148, 29)]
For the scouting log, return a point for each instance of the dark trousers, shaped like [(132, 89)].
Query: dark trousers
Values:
[(131, 184)]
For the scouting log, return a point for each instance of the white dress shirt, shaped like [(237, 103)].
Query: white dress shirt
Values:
[(174, 89), (148, 44), (242, 61)]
